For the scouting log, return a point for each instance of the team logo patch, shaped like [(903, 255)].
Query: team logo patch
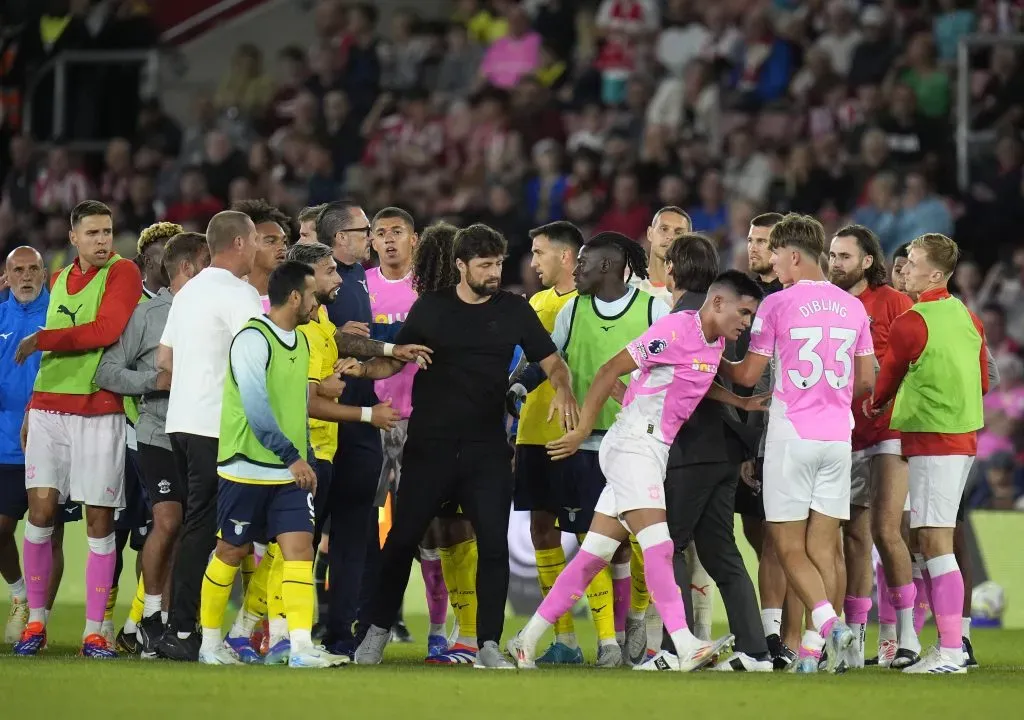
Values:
[(239, 526), (163, 487), (657, 346)]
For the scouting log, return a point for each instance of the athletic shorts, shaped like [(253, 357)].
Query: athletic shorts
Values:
[(805, 475), (135, 517), (634, 464), (860, 479), (538, 480), (937, 485), (254, 512), (749, 501), (161, 478), (583, 483), (81, 457), (393, 445), (13, 496), (324, 476)]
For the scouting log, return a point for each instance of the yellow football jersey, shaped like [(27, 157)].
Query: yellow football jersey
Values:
[(323, 353), (534, 428)]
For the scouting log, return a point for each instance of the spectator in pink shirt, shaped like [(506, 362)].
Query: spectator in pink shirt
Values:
[(513, 56)]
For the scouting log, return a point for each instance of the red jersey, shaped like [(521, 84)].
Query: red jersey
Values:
[(883, 305), (120, 296), (908, 336)]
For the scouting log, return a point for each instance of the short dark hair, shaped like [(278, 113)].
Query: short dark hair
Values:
[(89, 208), (479, 241), (902, 251), (288, 277), (260, 211), (802, 232), (673, 209), (389, 213), (309, 213), (739, 283), (768, 219), (224, 227), (180, 248), (876, 275), (562, 232), (332, 219), (308, 254), (694, 261)]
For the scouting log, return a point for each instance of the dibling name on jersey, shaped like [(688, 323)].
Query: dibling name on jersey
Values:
[(831, 306)]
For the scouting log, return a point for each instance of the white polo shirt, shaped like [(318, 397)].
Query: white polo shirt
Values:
[(205, 316)]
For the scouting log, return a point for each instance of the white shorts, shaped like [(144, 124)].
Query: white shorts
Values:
[(81, 457), (886, 447), (633, 464), (937, 485), (860, 479), (393, 444), (805, 475)]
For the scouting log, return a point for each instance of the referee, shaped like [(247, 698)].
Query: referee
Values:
[(456, 451)]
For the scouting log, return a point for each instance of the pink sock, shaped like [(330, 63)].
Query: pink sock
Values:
[(947, 607), (38, 566), (806, 652), (886, 610), (902, 597), (620, 602), (570, 586), (856, 609), (99, 574), (437, 593), (661, 583)]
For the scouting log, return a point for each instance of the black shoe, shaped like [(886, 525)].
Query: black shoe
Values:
[(127, 643), (400, 633), (969, 661), (871, 662), (171, 647), (319, 633), (151, 630), (782, 656), (904, 659)]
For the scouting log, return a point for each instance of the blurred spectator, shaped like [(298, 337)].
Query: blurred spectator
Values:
[(1009, 294), (919, 69), (139, 209), (748, 173), (682, 39), (514, 55), (113, 187), (765, 64), (156, 130), (545, 191), (955, 19), (555, 20), (585, 190), (632, 17), (222, 163), (911, 136), (802, 187), (710, 215), (341, 133), (195, 205), (245, 88), (60, 187), (360, 62), (502, 214), (967, 279), (921, 211), (1001, 486), (993, 316), (293, 75), (403, 56), (874, 54), (20, 179), (495, 149), (536, 117), (627, 214), (324, 75), (484, 26), (1002, 99), (842, 37), (459, 66)]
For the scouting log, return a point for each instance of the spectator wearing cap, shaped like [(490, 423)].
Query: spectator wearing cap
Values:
[(514, 55)]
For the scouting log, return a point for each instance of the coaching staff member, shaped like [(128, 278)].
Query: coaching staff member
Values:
[(456, 449)]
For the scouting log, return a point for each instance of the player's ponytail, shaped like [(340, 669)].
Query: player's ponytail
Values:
[(636, 258)]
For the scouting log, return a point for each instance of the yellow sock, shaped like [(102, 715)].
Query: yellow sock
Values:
[(450, 571), (138, 603), (248, 567), (255, 600), (599, 597), (298, 594), (550, 564), (275, 580), (466, 553), (108, 614), (217, 582), (639, 598)]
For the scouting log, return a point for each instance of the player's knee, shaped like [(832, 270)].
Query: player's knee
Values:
[(543, 533), (231, 554), (655, 539), (623, 553), (166, 519)]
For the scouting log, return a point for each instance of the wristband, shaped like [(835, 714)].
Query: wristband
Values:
[(389, 349), (366, 415)]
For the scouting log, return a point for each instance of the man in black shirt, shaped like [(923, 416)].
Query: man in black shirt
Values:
[(457, 451)]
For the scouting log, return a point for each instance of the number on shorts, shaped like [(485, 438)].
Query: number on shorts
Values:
[(811, 337), (309, 504)]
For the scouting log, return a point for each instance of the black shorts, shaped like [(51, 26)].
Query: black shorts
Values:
[(750, 501), (324, 476), (135, 517), (256, 512), (160, 477), (538, 480), (13, 496), (582, 486), (961, 512)]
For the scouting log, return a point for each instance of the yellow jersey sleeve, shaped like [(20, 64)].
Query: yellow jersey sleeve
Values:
[(534, 428), (323, 353)]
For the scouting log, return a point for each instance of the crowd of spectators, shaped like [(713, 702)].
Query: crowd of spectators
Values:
[(520, 112)]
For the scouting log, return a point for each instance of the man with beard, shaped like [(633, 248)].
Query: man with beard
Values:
[(878, 492), (457, 449), (271, 239)]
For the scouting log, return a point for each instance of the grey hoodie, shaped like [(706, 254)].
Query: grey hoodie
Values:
[(128, 367)]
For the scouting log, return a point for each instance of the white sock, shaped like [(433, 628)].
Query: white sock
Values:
[(886, 632), (533, 632), (812, 640), (684, 641), (92, 627), (18, 591), (130, 626), (905, 630), (654, 626), (300, 640), (771, 621), (635, 615), (278, 630), (703, 598), (164, 616), (437, 629), (244, 624), (858, 636), (965, 627), (607, 642), (822, 614), (620, 636), (212, 640), (151, 604), (567, 639), (467, 640)]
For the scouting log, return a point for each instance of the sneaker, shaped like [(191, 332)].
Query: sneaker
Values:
[(221, 656), (316, 657), (805, 665), (96, 646), (490, 657), (172, 647), (660, 661), (741, 662), (969, 659), (704, 653), (343, 647), (400, 633), (609, 656), (782, 657), (243, 650), (837, 645), (561, 654), (939, 661), (150, 631), (371, 649), (520, 655), (17, 620), (886, 653), (108, 632), (855, 653), (436, 644), (127, 643), (279, 653), (457, 654), (33, 639), (904, 658), (636, 641)]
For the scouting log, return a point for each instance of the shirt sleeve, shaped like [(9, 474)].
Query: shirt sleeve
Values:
[(249, 306), (986, 378), (563, 321), (865, 345), (250, 355), (659, 309), (762, 330), (907, 338), (413, 330), (167, 336), (652, 348), (315, 357), (533, 338)]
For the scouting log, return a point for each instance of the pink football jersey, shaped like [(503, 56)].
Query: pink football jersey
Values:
[(390, 301)]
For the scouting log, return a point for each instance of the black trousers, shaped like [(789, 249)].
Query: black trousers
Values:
[(699, 502), (196, 457), (478, 477)]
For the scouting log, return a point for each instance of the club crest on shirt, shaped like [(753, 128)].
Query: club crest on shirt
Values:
[(657, 346)]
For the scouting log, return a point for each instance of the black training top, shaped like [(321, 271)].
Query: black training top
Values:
[(461, 395)]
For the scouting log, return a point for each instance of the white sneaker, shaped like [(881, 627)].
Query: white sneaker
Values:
[(939, 661), (704, 653), (886, 652), (371, 649), (741, 662), (108, 632), (490, 657), (855, 653), (609, 656), (636, 641), (221, 656), (521, 655), (315, 657), (663, 660), (17, 620)]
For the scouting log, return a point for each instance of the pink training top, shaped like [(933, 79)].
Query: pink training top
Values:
[(812, 330), (390, 301), (677, 366), (265, 302)]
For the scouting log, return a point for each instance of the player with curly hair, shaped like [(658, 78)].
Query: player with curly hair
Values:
[(272, 231)]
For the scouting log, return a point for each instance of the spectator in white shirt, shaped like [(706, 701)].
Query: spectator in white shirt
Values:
[(59, 187), (842, 37)]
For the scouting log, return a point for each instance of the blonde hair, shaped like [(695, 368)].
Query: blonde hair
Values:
[(801, 232), (162, 231), (942, 252)]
